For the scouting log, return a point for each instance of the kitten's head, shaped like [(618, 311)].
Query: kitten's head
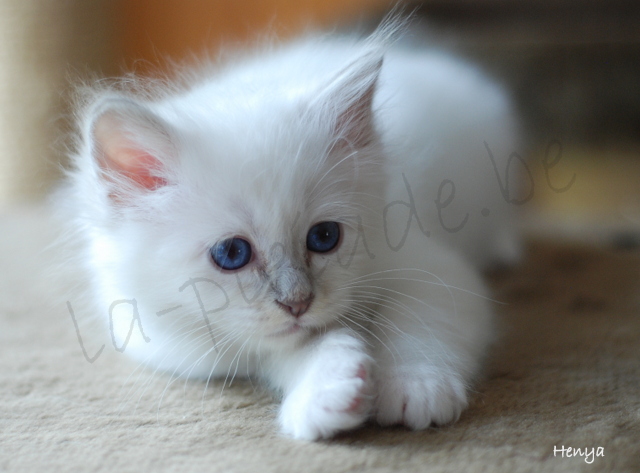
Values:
[(250, 212)]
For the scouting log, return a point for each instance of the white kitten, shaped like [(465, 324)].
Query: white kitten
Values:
[(270, 219)]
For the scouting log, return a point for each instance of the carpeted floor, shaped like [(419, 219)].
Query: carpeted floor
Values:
[(566, 373)]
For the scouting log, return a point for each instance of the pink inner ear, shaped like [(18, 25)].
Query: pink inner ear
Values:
[(135, 165), (119, 153), (354, 123)]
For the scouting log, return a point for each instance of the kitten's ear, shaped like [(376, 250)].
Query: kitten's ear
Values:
[(349, 100), (131, 145)]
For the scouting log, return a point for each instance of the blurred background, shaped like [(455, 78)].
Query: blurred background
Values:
[(572, 67)]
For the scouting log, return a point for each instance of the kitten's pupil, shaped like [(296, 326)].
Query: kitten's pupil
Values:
[(232, 253), (323, 237)]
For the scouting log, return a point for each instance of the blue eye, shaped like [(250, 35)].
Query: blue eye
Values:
[(231, 254), (323, 237)]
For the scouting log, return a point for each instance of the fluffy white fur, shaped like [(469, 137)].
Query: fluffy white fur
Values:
[(325, 129)]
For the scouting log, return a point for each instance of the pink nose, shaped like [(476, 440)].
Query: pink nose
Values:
[(296, 307)]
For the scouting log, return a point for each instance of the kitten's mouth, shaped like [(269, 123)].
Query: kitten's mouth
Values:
[(290, 330)]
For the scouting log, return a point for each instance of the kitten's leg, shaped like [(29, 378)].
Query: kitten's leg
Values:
[(327, 386), (417, 387), (431, 335)]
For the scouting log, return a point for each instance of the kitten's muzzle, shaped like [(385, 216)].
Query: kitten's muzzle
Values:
[(296, 307)]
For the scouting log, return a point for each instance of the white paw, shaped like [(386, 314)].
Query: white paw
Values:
[(333, 397), (419, 397)]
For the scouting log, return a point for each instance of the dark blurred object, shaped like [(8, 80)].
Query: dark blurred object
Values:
[(573, 66), (626, 241)]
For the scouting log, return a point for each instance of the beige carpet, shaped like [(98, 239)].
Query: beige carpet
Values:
[(565, 374)]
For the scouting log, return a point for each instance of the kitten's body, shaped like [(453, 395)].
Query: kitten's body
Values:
[(315, 132)]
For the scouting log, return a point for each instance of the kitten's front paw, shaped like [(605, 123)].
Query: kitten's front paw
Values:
[(336, 397), (417, 397)]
